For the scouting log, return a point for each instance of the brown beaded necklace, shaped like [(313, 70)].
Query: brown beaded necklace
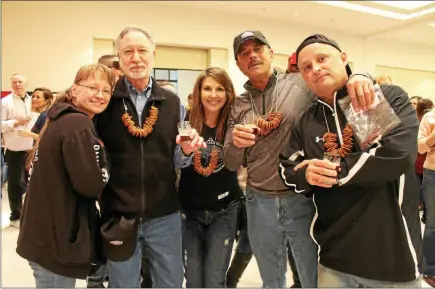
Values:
[(330, 140), (148, 125), (212, 165)]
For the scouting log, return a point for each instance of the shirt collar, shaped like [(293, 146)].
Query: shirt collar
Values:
[(132, 91)]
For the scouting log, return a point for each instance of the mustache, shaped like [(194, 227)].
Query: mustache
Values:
[(254, 63)]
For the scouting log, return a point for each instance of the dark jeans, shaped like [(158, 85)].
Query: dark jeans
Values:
[(17, 181), (208, 238), (162, 239), (429, 230)]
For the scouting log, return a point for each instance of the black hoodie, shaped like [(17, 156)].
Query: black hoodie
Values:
[(368, 225), (68, 173)]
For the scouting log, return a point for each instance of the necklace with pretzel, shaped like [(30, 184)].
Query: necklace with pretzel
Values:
[(148, 124), (274, 117), (330, 139), (212, 165)]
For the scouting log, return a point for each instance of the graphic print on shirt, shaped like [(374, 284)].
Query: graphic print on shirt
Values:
[(205, 154), (104, 172)]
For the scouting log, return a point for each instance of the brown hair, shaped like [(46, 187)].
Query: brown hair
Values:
[(423, 105), (48, 97), (197, 116), (82, 74)]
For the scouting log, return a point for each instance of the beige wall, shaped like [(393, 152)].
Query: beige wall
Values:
[(49, 51), (415, 82)]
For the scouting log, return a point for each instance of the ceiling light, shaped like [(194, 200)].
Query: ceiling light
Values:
[(432, 24), (296, 14), (408, 5), (376, 11), (409, 34)]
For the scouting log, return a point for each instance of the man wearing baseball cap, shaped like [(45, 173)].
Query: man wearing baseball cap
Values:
[(367, 225), (276, 214)]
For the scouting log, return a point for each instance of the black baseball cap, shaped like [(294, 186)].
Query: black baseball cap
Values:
[(247, 35), (319, 38)]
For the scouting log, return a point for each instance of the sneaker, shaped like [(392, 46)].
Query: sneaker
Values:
[(15, 224), (430, 280)]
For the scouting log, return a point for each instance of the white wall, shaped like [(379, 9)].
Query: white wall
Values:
[(186, 81), (50, 48)]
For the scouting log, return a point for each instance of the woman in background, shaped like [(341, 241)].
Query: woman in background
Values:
[(58, 224), (42, 99), (426, 144), (209, 193), (422, 107)]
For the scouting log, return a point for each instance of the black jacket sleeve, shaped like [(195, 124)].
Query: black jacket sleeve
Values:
[(290, 157), (86, 163), (393, 154)]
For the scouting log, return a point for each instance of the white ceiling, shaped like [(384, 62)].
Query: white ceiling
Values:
[(320, 13)]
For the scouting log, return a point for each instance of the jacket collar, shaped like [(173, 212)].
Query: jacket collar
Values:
[(272, 80), (341, 93), (121, 90)]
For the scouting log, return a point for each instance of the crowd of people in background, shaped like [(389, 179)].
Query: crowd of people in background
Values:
[(114, 192)]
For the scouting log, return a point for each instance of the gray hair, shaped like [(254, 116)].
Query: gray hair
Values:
[(128, 29)]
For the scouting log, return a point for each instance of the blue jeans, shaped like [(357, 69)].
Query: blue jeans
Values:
[(243, 244), (208, 238), (162, 238), (330, 278), (98, 277), (47, 279), (429, 230), (272, 222)]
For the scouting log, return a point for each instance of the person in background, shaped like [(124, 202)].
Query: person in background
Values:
[(423, 106), (16, 116), (112, 61), (282, 97), (58, 224), (292, 65), (139, 129), (170, 87), (366, 223), (384, 79), (42, 99), (426, 145), (414, 101), (189, 102), (209, 193)]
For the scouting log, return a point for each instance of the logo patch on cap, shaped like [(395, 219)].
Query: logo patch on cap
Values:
[(247, 34)]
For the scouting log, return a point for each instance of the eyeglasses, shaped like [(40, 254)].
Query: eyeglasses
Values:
[(96, 90)]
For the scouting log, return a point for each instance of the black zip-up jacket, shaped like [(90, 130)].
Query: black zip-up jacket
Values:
[(142, 183), (368, 225), (69, 172)]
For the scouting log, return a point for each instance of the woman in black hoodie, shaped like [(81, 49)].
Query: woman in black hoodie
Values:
[(58, 223)]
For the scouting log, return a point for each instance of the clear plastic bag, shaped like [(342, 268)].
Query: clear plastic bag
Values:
[(369, 126)]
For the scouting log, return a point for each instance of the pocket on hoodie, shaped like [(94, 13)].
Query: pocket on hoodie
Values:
[(74, 243)]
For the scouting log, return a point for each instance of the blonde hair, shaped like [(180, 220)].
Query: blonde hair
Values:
[(384, 79)]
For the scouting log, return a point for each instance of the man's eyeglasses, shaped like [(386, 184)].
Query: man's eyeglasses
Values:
[(96, 90)]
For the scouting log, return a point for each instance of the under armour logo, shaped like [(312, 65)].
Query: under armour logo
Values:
[(319, 139)]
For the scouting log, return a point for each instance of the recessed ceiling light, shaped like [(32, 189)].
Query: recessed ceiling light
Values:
[(296, 14), (432, 24), (408, 5), (409, 34)]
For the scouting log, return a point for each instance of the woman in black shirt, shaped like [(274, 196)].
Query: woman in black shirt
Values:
[(209, 193)]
